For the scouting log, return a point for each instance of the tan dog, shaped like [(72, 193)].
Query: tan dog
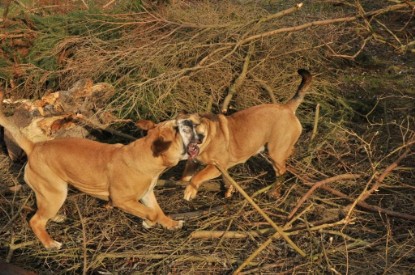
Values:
[(230, 140), (122, 174)]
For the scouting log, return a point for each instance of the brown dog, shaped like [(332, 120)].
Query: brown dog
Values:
[(230, 140), (122, 174)]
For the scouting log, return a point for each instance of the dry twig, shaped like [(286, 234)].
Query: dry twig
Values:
[(318, 185), (260, 211)]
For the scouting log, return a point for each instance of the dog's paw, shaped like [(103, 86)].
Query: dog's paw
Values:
[(190, 192), (148, 224), (53, 245), (186, 178), (229, 192), (59, 218), (178, 225)]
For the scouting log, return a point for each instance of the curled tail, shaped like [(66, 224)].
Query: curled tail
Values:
[(296, 100), (14, 130)]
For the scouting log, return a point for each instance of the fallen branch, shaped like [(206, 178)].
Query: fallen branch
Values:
[(317, 185), (106, 128), (325, 22), (315, 126), (364, 195), (198, 213), (277, 235), (362, 204), (266, 87), (297, 28), (147, 256), (260, 211), (385, 173), (204, 234), (367, 206), (239, 81), (84, 241)]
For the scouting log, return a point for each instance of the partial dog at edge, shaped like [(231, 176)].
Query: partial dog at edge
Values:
[(121, 174), (230, 140)]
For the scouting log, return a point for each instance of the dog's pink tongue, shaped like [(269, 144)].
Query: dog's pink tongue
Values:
[(192, 150)]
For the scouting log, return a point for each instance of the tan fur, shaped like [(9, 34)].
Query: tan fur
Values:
[(122, 174), (230, 140)]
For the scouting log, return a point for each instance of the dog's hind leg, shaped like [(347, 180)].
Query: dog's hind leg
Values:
[(279, 157), (49, 199)]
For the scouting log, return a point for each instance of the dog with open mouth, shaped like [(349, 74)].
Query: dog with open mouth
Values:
[(121, 174), (230, 140)]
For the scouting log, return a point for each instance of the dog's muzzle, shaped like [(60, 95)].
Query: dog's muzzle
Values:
[(193, 149)]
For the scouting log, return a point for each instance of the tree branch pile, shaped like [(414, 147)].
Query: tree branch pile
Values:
[(347, 200)]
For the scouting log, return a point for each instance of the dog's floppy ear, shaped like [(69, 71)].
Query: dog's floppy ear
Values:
[(145, 124), (159, 146)]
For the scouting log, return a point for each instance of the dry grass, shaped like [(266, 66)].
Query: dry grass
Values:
[(186, 57)]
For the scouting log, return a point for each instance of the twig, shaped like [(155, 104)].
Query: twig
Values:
[(85, 267), (105, 128), (134, 254), (260, 211), (108, 4), (282, 13), (365, 194), (315, 126), (367, 206), (205, 234), (317, 185), (13, 247), (385, 173), (6, 9), (239, 81), (266, 87), (362, 204), (17, 214), (256, 252), (277, 235), (324, 22), (198, 213), (85, 4)]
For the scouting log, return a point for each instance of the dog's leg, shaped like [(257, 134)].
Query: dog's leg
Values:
[(49, 199), (149, 215), (278, 157), (48, 204), (208, 173), (189, 170), (150, 201)]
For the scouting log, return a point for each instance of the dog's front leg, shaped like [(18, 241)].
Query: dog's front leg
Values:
[(150, 201), (189, 170), (149, 215), (208, 173)]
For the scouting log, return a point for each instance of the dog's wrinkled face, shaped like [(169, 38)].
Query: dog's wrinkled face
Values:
[(200, 131), (188, 133)]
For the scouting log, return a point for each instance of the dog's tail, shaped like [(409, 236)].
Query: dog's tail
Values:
[(15, 132), (296, 100)]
